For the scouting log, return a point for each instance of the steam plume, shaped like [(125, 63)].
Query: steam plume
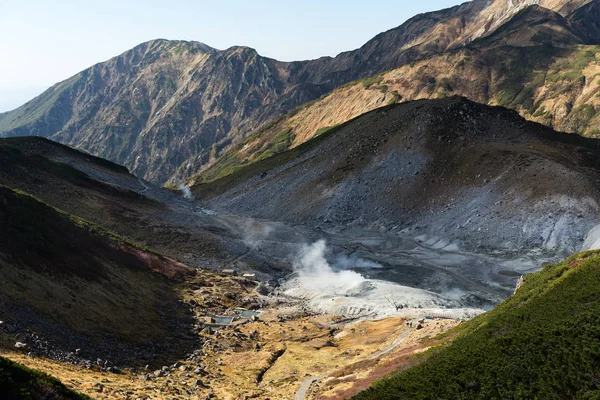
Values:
[(255, 232), (315, 273), (186, 191)]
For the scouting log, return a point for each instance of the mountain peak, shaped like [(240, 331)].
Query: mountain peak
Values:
[(166, 43)]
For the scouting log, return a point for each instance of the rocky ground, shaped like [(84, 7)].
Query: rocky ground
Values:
[(264, 357)]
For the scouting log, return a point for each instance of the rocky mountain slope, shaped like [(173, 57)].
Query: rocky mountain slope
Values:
[(524, 348), (453, 169), (171, 107), (535, 64), (109, 196)]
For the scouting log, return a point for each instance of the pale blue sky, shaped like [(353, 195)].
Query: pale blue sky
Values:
[(43, 41)]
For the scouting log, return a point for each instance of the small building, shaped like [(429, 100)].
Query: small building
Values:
[(229, 272), (249, 276)]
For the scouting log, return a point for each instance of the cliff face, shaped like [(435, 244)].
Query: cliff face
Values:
[(172, 107)]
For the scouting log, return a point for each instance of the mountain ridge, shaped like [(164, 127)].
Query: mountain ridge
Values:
[(172, 108), (373, 171), (536, 64)]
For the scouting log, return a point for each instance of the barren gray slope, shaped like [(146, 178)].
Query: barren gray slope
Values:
[(480, 177)]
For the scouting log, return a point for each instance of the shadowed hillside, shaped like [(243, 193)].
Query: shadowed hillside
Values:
[(103, 193), (21, 383), (76, 285)]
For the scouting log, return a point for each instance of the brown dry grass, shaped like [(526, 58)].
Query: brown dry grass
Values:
[(348, 381)]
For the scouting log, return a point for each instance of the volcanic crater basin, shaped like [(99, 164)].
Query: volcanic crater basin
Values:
[(450, 197)]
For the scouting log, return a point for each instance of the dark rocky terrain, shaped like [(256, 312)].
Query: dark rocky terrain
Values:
[(170, 108), (472, 176)]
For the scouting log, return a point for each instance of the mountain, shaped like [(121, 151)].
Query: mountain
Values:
[(72, 283), (540, 343), (106, 194), (536, 63), (453, 169), (170, 108)]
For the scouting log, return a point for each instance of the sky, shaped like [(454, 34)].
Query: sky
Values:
[(44, 42)]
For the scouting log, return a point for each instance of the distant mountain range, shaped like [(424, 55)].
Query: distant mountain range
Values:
[(169, 108)]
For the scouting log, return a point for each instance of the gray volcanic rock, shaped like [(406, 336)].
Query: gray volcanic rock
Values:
[(452, 170)]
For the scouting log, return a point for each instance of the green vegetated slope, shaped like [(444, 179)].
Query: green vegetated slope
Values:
[(21, 383), (541, 343)]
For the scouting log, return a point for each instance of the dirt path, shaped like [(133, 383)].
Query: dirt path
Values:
[(307, 383)]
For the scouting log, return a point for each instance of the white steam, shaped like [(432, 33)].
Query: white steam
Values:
[(592, 241), (186, 191), (255, 232), (316, 275), (345, 262), (325, 289)]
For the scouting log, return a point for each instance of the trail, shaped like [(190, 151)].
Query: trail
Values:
[(141, 182), (308, 382)]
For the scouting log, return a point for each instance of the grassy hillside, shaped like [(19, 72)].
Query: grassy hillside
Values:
[(70, 280), (21, 383), (542, 343)]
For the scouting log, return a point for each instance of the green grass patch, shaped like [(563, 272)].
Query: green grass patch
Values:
[(326, 129), (368, 82)]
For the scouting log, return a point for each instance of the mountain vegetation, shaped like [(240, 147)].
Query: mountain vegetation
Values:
[(540, 343), (21, 383)]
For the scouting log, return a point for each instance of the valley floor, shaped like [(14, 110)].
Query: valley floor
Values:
[(267, 358)]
